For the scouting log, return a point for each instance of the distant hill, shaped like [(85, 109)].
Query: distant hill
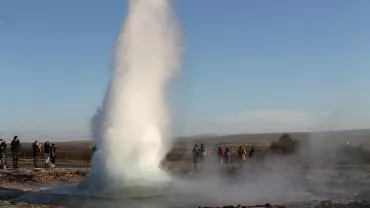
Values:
[(81, 150), (358, 136)]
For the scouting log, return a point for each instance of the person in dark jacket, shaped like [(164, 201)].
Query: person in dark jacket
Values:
[(202, 152), (94, 148), (36, 150), (52, 154), (2, 153), (227, 156), (47, 153), (251, 152), (195, 157), (16, 149)]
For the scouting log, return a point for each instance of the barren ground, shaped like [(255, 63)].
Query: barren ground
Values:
[(73, 162)]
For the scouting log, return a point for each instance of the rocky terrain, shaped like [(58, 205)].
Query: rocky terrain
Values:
[(15, 183)]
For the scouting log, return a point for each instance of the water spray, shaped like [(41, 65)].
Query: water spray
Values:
[(132, 128)]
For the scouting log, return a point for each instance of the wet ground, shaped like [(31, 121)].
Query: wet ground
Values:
[(15, 183), (293, 187)]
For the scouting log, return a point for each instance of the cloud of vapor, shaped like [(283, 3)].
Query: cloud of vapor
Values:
[(131, 128), (311, 174), (270, 181)]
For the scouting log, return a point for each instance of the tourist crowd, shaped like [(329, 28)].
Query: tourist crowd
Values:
[(224, 155), (38, 150)]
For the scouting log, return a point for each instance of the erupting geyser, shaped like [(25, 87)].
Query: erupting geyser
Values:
[(131, 129)]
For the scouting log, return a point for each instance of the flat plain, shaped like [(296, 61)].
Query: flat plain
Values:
[(74, 159)]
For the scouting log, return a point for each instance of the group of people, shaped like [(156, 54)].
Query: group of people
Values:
[(199, 154), (37, 150), (49, 153), (15, 147), (242, 154), (224, 155)]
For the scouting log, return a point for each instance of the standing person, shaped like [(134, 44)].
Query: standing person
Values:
[(227, 156), (241, 154), (251, 152), (47, 153), (36, 151), (52, 154), (2, 153), (195, 157), (202, 152), (16, 149), (201, 155), (94, 148), (220, 154)]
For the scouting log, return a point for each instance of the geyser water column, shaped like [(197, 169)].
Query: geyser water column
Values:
[(132, 127)]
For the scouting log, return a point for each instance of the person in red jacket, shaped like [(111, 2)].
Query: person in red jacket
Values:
[(220, 154)]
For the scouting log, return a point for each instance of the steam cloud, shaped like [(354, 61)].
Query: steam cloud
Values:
[(131, 129)]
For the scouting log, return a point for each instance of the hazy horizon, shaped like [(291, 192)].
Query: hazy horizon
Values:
[(8, 137)]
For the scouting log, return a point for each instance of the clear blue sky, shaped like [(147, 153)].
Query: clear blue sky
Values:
[(249, 66)]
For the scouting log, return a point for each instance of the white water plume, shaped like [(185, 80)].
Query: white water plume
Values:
[(131, 129)]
